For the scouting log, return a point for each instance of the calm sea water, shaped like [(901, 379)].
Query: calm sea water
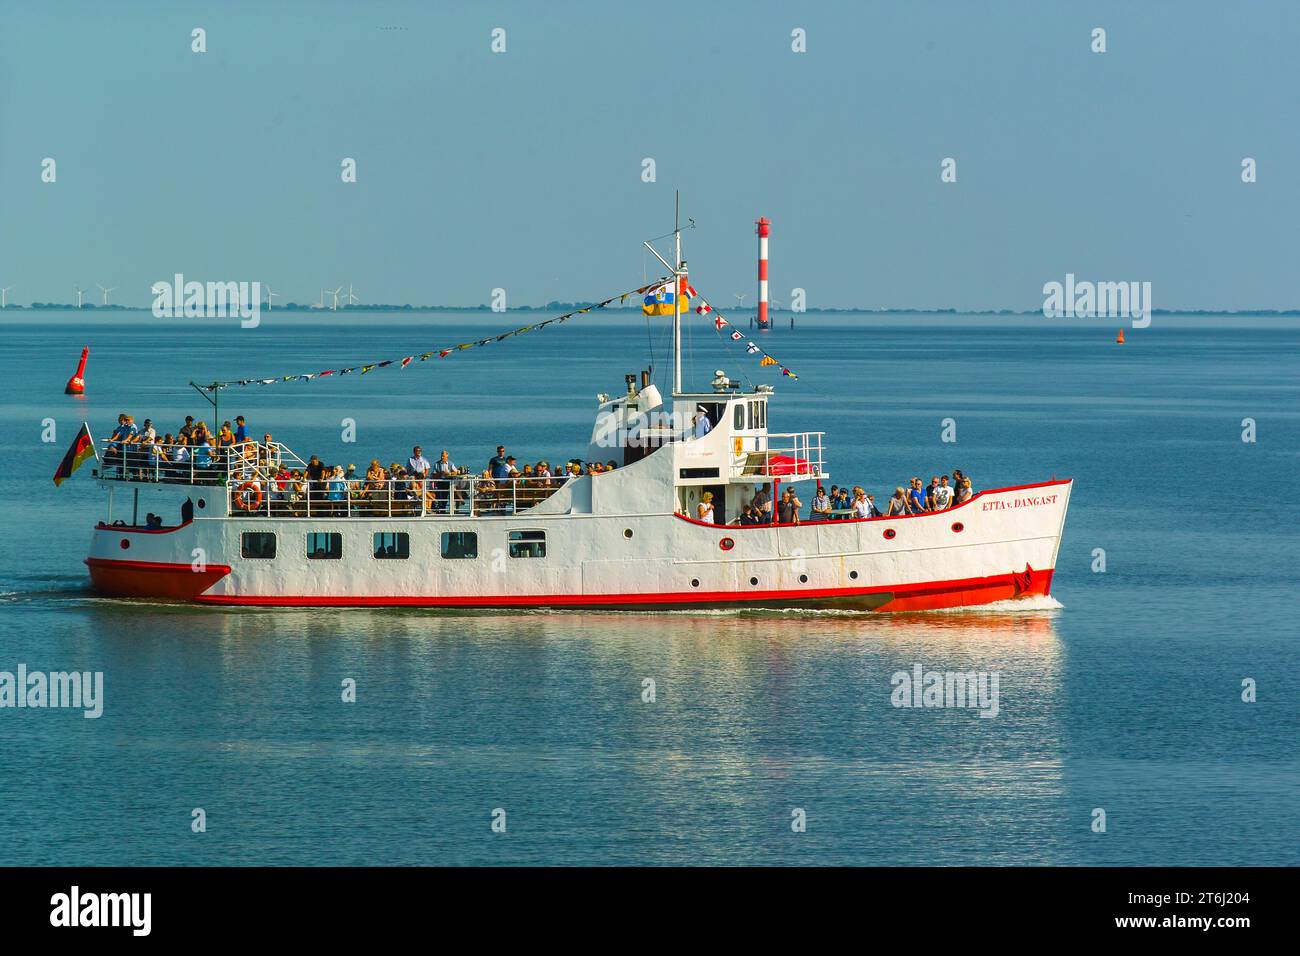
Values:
[(1126, 697)]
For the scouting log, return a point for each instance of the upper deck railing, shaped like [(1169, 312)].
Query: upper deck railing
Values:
[(191, 464), (788, 456), (409, 497), (257, 485)]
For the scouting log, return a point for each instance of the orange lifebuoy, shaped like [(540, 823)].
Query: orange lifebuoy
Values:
[(250, 504)]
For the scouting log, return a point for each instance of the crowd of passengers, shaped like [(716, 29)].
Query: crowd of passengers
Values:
[(419, 485), (942, 493), (257, 469), (139, 453)]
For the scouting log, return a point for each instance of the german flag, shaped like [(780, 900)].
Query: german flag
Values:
[(82, 448)]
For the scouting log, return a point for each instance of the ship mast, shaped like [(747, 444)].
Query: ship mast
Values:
[(678, 272), (678, 268)]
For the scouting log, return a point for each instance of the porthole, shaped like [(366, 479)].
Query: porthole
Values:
[(726, 544), (124, 544), (853, 575), (695, 582), (958, 527), (753, 581), (889, 534), (803, 579), (627, 532), (202, 503)]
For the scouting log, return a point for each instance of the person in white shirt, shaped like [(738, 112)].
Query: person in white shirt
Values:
[(861, 509), (942, 495), (417, 467), (417, 463), (702, 424), (704, 510)]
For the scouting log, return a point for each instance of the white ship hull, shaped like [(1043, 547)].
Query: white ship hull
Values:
[(1000, 545)]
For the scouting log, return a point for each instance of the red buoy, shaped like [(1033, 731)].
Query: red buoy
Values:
[(1119, 340), (77, 384)]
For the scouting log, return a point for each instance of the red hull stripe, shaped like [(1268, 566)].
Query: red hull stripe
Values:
[(911, 597)]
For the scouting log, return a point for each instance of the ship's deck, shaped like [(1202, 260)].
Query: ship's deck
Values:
[(252, 475)]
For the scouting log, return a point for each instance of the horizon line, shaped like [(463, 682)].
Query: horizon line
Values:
[(297, 307)]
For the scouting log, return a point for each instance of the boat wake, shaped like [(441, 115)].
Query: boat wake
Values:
[(1034, 605)]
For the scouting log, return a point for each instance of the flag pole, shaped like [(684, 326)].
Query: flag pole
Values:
[(91, 436), (213, 399)]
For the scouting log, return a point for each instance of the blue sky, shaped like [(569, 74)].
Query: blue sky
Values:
[(522, 170)]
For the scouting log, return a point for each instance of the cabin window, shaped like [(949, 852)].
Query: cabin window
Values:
[(257, 544), (459, 544), (324, 544), (753, 414), (740, 415), (527, 544), (698, 472), (762, 415), (392, 544)]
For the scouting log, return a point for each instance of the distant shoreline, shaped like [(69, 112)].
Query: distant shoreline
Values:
[(559, 307)]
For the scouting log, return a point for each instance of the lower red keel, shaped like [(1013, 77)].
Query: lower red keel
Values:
[(1025, 584), (179, 582), (145, 579)]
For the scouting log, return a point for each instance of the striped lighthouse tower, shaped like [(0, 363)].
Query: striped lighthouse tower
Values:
[(764, 228)]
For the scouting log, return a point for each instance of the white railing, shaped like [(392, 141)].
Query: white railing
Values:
[(789, 456), (191, 464), (455, 496)]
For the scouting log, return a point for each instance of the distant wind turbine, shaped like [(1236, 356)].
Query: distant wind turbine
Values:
[(740, 300), (352, 299), (80, 294), (335, 293), (269, 296), (105, 291)]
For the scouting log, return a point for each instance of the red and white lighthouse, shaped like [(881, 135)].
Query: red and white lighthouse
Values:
[(764, 228)]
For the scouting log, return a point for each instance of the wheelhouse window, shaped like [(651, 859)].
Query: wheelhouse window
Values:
[(392, 544), (459, 544), (527, 544), (324, 544), (257, 544), (740, 415)]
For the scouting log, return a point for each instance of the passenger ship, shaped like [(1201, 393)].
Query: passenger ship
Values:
[(624, 539)]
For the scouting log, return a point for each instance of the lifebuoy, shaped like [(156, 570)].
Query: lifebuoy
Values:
[(252, 503)]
